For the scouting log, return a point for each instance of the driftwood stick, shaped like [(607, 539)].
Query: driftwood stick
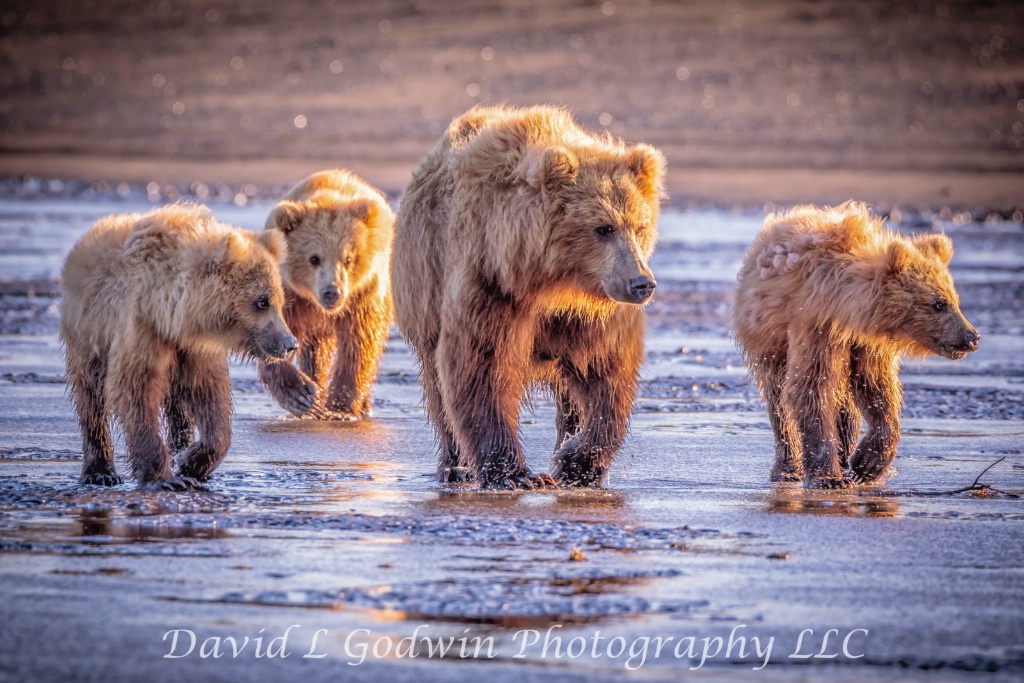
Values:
[(976, 486)]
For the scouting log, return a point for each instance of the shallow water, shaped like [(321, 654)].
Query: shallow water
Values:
[(341, 526)]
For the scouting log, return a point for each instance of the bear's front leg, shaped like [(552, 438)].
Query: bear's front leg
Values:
[(361, 333), (177, 412), (138, 384), (605, 393), (877, 390), (482, 354), (291, 388), (816, 372), (597, 376), (205, 387)]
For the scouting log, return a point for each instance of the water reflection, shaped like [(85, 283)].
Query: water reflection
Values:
[(795, 499)]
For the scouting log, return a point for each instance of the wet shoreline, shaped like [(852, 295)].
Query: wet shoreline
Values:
[(341, 527)]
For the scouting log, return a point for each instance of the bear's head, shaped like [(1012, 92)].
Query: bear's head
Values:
[(602, 212), (333, 244), (919, 301), (249, 319)]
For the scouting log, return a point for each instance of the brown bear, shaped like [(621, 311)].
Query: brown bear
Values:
[(152, 305), (520, 260), (827, 301), (337, 294)]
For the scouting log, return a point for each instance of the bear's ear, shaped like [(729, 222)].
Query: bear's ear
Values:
[(938, 246), (230, 249), (364, 210), (275, 243), (898, 258), (648, 165), (549, 168), (288, 215)]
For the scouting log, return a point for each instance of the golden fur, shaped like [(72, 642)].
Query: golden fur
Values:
[(520, 258), (152, 305), (337, 289), (826, 301)]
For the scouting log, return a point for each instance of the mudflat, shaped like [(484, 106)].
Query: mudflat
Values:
[(339, 532), (896, 103)]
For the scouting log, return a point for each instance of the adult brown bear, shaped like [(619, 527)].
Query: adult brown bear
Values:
[(520, 259)]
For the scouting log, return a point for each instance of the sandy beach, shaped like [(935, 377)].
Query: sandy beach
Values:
[(900, 104)]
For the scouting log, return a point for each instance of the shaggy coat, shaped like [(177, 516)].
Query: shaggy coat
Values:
[(827, 301), (520, 259), (152, 305), (337, 294)]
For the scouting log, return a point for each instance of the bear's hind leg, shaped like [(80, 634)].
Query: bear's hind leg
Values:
[(206, 387), (450, 468), (567, 416), (97, 448), (815, 376), (848, 428), (138, 383), (481, 365), (771, 378), (877, 390)]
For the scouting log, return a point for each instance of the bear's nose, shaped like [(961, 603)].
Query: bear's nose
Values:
[(641, 288), (971, 340), (289, 343), (330, 294)]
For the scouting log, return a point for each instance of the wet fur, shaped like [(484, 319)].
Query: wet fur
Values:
[(152, 306), (826, 303), (501, 286), (334, 215)]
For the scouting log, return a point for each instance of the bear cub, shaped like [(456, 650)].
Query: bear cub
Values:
[(827, 300), (337, 294), (153, 303)]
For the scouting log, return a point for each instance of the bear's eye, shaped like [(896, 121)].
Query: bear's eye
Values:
[(940, 305), (314, 260), (348, 260), (605, 230), (261, 303)]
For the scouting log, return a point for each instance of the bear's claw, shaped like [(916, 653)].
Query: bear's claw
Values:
[(831, 483), (455, 475), (173, 484), (786, 475), (525, 480), (101, 479)]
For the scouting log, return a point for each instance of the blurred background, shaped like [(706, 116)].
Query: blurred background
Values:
[(893, 101)]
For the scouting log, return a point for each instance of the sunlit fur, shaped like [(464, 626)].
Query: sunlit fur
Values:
[(348, 226), (501, 282), (826, 302), (153, 303)]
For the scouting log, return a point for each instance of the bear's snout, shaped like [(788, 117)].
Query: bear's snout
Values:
[(274, 342), (289, 344), (330, 295), (641, 289), (279, 346), (970, 341)]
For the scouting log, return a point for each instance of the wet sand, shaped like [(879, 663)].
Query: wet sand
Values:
[(898, 103), (342, 528)]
